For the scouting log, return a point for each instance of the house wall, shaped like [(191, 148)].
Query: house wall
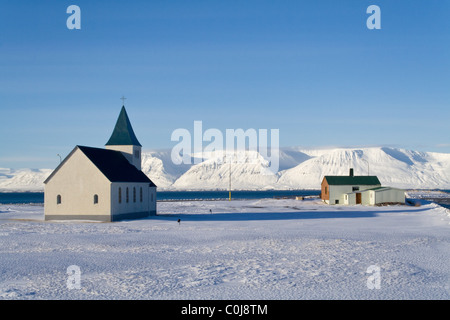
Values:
[(77, 181), (325, 192), (387, 195), (350, 198), (132, 153), (365, 198), (371, 197), (337, 192), (134, 207)]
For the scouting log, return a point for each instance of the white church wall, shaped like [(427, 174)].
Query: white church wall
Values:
[(77, 182), (131, 206), (152, 202)]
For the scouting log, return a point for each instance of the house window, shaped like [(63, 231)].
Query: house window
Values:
[(140, 194), (355, 188), (120, 195), (346, 197), (326, 190), (152, 197), (58, 199), (128, 196), (95, 198), (136, 154), (336, 201), (134, 194)]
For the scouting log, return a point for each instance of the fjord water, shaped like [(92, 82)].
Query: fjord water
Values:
[(38, 197)]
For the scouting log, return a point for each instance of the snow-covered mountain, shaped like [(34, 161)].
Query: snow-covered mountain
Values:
[(298, 169), (249, 170), (394, 167), (23, 179), (160, 168)]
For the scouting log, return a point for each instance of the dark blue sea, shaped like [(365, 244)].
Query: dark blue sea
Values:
[(38, 197)]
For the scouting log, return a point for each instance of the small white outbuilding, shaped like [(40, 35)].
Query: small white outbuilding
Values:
[(383, 195)]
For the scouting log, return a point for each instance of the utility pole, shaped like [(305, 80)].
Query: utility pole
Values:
[(368, 167)]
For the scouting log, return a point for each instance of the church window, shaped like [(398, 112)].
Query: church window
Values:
[(58, 199), (152, 197), (134, 194), (136, 154), (140, 194), (128, 196), (95, 198), (120, 195)]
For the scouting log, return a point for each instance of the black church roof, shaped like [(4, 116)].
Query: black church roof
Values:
[(112, 164)]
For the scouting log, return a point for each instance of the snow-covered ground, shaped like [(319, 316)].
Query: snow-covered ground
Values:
[(249, 249)]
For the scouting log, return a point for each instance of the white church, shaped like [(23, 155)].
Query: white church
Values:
[(102, 184)]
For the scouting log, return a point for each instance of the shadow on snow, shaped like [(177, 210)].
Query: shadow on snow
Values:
[(255, 216)]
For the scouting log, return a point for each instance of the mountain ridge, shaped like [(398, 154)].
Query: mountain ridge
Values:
[(299, 168)]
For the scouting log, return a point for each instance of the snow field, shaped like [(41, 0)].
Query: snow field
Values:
[(252, 249)]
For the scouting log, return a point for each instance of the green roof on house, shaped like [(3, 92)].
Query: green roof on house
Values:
[(352, 180), (123, 133)]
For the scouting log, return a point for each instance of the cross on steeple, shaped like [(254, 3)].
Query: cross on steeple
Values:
[(123, 100)]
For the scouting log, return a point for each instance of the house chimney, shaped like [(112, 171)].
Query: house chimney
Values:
[(351, 172)]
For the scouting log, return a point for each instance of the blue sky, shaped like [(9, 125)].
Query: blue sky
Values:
[(311, 69)]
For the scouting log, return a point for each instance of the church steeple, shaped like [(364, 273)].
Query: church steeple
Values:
[(123, 133), (123, 139)]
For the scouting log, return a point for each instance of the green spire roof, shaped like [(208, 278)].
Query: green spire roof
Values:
[(123, 133)]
